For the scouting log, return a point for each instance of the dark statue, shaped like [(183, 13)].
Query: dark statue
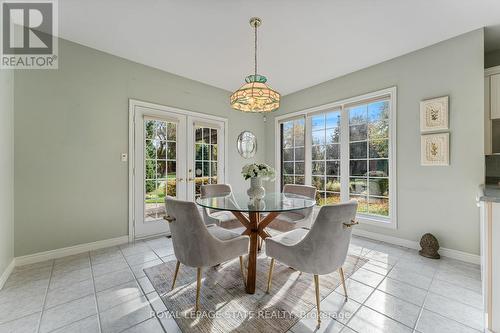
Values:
[(430, 246)]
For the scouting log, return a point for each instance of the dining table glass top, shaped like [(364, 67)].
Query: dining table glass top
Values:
[(272, 202)]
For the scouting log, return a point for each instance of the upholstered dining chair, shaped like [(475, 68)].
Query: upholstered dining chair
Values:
[(198, 245), (301, 218), (216, 217), (320, 250)]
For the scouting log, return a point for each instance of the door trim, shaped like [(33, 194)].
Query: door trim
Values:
[(133, 103)]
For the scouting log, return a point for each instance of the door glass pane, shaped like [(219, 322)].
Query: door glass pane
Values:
[(161, 151), (198, 136), (171, 150), (205, 156), (213, 153), (159, 167), (171, 132), (213, 136)]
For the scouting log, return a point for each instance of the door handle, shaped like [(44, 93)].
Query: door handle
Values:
[(353, 222), (190, 179), (168, 218), (180, 180)]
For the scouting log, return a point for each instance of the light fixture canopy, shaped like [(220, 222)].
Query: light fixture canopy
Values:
[(255, 95)]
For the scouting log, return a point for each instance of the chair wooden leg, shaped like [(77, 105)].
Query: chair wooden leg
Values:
[(270, 277), (342, 278), (316, 285), (198, 286), (176, 272), (242, 268)]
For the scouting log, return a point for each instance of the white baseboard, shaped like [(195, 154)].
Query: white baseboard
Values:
[(459, 255), (450, 253), (5, 275), (67, 251)]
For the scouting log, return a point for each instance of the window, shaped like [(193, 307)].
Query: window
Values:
[(293, 152), (325, 156), (369, 157), (346, 150)]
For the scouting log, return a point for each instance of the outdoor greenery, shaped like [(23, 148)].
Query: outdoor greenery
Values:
[(332, 186), (158, 194), (329, 200)]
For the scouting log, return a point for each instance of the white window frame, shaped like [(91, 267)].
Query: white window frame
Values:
[(379, 221)]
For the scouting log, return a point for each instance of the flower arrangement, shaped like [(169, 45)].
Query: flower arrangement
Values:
[(261, 170)]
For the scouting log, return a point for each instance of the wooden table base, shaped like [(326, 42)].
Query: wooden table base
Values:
[(255, 229)]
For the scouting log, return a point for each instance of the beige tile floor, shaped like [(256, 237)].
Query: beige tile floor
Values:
[(107, 291)]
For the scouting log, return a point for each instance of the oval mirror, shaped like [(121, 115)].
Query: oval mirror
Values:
[(247, 144)]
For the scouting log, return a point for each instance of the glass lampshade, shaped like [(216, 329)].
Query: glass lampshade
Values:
[(255, 96)]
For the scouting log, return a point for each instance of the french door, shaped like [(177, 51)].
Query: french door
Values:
[(175, 152)]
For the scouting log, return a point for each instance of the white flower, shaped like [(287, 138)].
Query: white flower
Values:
[(258, 170)]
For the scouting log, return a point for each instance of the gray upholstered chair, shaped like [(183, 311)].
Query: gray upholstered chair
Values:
[(320, 250), (301, 218), (216, 217), (198, 245)]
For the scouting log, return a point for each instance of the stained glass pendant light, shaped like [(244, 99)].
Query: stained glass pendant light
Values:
[(255, 95)]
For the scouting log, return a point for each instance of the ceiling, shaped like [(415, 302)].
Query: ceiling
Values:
[(302, 43)]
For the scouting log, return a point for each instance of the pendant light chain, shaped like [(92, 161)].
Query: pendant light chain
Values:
[(255, 95), (255, 49)]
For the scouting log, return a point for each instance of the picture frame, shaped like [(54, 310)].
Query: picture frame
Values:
[(435, 149), (434, 114)]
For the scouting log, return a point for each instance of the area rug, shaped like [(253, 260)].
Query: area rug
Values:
[(226, 307)]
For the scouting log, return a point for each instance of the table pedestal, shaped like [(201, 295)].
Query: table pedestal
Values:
[(254, 228)]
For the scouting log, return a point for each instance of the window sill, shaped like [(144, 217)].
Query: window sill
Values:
[(376, 221), (382, 222)]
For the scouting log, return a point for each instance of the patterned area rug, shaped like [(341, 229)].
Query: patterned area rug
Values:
[(226, 307)]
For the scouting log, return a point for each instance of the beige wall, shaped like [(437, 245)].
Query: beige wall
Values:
[(6, 168), (71, 126), (440, 200)]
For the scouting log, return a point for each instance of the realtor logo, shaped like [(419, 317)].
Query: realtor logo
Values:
[(29, 34)]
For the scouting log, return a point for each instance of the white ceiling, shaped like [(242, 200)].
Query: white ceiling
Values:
[(302, 43)]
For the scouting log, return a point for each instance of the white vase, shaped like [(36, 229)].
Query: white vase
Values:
[(256, 190)]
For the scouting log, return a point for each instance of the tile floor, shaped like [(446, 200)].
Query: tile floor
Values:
[(107, 291)]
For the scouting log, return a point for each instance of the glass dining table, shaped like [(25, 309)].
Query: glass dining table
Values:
[(250, 213)]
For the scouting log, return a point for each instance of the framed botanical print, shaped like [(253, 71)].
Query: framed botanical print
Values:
[(434, 114), (435, 149)]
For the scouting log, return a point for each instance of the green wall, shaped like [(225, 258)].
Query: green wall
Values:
[(6, 168), (71, 126), (492, 59), (440, 200)]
